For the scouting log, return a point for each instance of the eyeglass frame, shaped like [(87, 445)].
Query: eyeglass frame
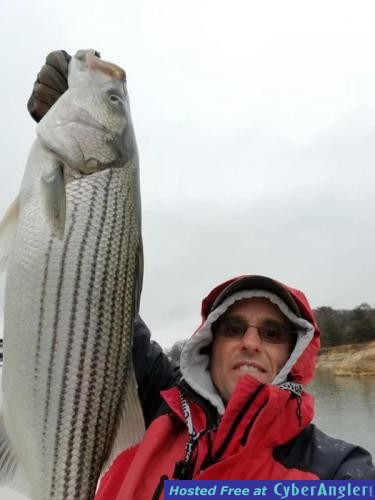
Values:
[(289, 334)]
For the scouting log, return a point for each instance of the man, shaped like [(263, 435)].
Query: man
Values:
[(236, 408), (239, 411)]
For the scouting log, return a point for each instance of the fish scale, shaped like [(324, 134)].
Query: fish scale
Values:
[(66, 431), (70, 399)]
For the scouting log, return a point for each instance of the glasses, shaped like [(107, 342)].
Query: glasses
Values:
[(269, 332)]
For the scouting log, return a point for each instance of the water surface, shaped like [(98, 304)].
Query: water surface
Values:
[(345, 408)]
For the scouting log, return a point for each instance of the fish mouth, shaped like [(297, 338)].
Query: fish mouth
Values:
[(108, 68)]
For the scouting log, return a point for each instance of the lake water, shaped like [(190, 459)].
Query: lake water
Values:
[(344, 408)]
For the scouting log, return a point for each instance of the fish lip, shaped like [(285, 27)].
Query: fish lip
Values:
[(259, 367)]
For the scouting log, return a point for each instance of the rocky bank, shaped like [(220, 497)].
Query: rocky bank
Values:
[(353, 360)]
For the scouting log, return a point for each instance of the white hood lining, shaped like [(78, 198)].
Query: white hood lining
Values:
[(194, 365)]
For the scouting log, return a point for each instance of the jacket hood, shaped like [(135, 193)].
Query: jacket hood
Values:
[(299, 368)]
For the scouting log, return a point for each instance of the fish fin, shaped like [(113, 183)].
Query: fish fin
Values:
[(11, 474), (131, 427), (139, 277), (8, 460), (8, 227), (54, 197)]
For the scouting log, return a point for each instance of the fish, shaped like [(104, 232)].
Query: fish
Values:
[(71, 247)]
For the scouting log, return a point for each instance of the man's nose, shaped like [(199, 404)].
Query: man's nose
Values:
[(251, 340)]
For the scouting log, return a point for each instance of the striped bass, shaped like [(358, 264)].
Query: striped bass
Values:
[(71, 244)]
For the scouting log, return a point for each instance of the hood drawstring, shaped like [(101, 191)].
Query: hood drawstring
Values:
[(184, 468), (296, 390)]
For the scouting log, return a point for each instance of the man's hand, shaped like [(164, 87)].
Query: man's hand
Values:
[(50, 84)]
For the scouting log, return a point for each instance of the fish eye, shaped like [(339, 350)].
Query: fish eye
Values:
[(115, 98)]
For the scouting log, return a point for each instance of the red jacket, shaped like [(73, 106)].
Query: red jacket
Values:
[(258, 421), (244, 442)]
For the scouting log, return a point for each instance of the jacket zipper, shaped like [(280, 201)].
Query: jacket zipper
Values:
[(249, 427)]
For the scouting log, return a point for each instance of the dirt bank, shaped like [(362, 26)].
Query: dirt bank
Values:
[(354, 360)]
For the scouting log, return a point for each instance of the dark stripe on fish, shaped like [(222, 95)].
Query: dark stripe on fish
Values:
[(92, 377), (104, 435), (70, 343), (118, 395), (112, 387), (96, 458), (41, 316), (55, 327)]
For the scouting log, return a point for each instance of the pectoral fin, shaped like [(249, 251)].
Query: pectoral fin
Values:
[(7, 232), (54, 198)]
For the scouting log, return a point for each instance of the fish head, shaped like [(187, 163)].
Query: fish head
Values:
[(89, 128)]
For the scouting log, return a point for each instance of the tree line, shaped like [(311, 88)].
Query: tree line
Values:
[(346, 326)]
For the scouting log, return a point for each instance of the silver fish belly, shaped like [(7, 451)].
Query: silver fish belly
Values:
[(72, 290)]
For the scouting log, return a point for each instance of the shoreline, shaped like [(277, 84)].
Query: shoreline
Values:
[(351, 360)]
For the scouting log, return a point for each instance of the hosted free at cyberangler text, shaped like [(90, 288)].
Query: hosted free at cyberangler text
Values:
[(269, 489)]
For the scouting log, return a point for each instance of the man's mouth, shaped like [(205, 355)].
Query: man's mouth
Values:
[(249, 368)]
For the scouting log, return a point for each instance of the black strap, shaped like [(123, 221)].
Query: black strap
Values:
[(159, 488)]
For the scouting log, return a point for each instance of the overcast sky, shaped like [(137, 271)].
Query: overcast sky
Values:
[(255, 123)]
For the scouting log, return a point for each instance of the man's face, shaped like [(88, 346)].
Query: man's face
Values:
[(234, 357)]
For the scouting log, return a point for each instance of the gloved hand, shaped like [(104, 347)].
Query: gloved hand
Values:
[(50, 83)]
